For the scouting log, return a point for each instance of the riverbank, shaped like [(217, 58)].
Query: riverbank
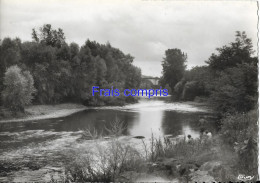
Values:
[(157, 159), (39, 112)]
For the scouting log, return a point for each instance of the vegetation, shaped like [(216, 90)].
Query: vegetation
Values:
[(19, 88), (62, 72), (105, 162), (229, 82), (108, 160), (65, 72), (173, 67), (241, 131)]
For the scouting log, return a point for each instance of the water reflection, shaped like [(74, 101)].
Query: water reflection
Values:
[(156, 115), (176, 123), (146, 124)]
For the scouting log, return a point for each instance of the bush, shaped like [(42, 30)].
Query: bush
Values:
[(239, 127), (192, 89), (241, 131), (181, 149), (236, 89)]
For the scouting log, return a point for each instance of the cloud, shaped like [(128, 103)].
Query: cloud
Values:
[(143, 28)]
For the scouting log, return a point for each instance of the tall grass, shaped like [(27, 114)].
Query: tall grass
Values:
[(187, 149), (241, 132), (104, 162)]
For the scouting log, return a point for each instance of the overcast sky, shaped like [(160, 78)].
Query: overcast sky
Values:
[(143, 28)]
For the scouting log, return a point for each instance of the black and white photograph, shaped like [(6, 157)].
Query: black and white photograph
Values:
[(129, 91)]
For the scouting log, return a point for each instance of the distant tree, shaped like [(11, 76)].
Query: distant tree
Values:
[(48, 36), (10, 52), (199, 73), (18, 88), (9, 55), (101, 71), (112, 68), (237, 52), (74, 50), (192, 89), (197, 82), (173, 67), (133, 79)]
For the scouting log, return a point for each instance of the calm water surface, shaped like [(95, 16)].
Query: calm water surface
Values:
[(41, 139)]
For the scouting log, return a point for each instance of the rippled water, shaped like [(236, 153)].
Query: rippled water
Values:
[(42, 141)]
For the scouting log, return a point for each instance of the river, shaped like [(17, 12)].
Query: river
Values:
[(29, 151)]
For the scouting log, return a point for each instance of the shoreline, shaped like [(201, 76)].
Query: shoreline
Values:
[(40, 112)]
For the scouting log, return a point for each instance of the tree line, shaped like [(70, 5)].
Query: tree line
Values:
[(229, 81), (51, 71)]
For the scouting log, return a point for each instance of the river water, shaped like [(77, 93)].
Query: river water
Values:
[(29, 151)]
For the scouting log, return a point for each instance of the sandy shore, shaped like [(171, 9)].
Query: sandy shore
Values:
[(38, 112)]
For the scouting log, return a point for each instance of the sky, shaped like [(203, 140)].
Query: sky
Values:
[(142, 28)]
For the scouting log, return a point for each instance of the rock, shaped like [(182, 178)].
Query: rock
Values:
[(160, 159), (186, 169), (127, 176), (177, 139), (168, 136), (169, 162), (201, 176), (154, 165), (171, 165), (209, 166), (139, 137), (218, 170), (133, 176), (151, 178), (107, 138)]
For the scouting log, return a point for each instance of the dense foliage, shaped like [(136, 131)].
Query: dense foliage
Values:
[(241, 131), (18, 88), (173, 67), (229, 81), (66, 72), (235, 73)]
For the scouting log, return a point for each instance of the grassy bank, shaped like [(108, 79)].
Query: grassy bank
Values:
[(38, 112)]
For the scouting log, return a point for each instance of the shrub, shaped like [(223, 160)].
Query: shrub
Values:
[(236, 89), (239, 127), (241, 131), (192, 89), (182, 149)]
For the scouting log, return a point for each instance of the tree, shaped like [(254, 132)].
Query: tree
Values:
[(173, 67), (101, 71), (133, 79), (66, 73), (237, 52), (18, 88), (236, 89), (235, 76), (9, 55), (48, 36)]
